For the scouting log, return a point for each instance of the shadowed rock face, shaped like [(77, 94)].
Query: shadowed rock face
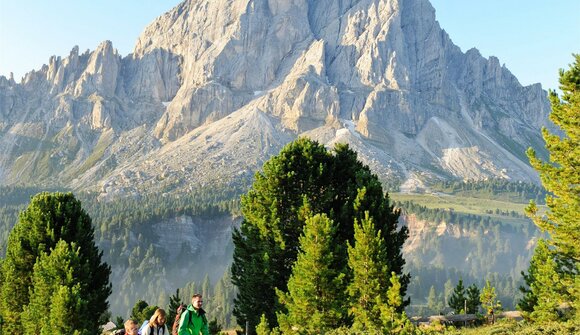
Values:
[(214, 88)]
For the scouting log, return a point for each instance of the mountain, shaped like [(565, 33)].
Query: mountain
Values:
[(214, 88)]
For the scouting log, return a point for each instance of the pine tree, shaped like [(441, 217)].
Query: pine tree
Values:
[(223, 297), (473, 299), (314, 299), (66, 312), (206, 289), (545, 291), (435, 302), (369, 285), (54, 301), (138, 311), (263, 328), (214, 327), (529, 298), (251, 276), (448, 289), (174, 302), (304, 178), (432, 303), (375, 299), (457, 298), (489, 300), (393, 321), (561, 177), (50, 218)]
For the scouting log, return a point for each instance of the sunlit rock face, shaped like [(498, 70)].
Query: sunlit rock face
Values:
[(214, 88)]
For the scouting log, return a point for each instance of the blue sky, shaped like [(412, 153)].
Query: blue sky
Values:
[(534, 38)]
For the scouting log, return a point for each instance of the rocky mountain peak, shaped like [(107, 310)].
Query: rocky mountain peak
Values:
[(101, 72), (379, 74)]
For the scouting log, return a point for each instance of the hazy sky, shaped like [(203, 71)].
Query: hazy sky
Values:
[(534, 38)]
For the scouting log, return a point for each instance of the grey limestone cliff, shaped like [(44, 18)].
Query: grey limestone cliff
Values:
[(214, 88)]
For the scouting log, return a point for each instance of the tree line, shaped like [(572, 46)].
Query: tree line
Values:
[(501, 189)]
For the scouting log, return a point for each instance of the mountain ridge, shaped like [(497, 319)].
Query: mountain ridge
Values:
[(214, 88)]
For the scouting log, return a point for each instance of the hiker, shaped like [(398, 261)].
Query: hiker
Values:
[(131, 328), (193, 320), (156, 325)]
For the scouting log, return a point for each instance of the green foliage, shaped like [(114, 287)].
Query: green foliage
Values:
[(560, 176), (138, 311), (64, 312), (13, 200), (314, 301), (497, 189), (48, 220), (375, 300), (393, 321), (263, 328), (148, 312), (489, 300), (119, 321), (222, 303), (304, 179), (142, 311), (369, 285), (457, 298), (435, 301), (55, 301), (343, 331), (174, 302), (530, 292), (545, 285), (443, 278), (511, 327), (214, 328), (473, 302)]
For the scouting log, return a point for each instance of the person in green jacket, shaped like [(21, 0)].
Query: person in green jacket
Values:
[(193, 320)]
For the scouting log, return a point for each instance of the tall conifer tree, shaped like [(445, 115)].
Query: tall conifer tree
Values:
[(369, 285), (473, 299), (545, 292), (50, 218), (530, 291), (174, 301), (375, 297), (56, 305), (393, 320), (304, 178), (561, 178), (489, 300), (433, 302), (457, 298), (314, 300)]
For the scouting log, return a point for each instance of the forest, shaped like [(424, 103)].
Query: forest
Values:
[(122, 230)]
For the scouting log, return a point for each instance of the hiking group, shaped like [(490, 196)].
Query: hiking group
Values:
[(190, 320)]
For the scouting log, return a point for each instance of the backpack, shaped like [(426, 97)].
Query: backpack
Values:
[(180, 310), (175, 327)]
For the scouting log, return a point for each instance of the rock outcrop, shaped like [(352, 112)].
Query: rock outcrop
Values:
[(213, 88)]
